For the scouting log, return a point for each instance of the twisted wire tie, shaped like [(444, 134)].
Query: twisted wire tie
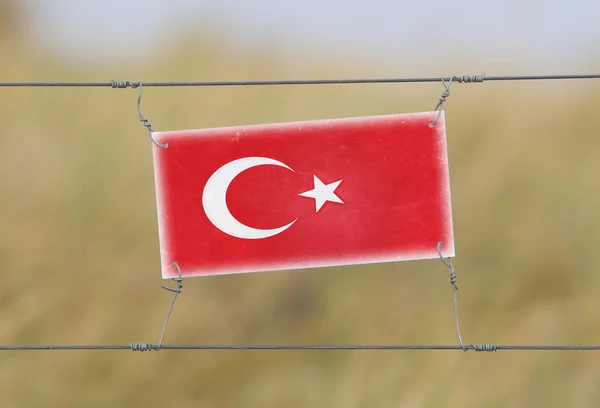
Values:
[(468, 79), (141, 347), (484, 347), (465, 79), (145, 122), (123, 84)]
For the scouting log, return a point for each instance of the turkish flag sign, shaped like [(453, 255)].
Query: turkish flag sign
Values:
[(303, 195)]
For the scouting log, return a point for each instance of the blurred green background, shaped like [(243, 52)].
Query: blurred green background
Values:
[(79, 245)]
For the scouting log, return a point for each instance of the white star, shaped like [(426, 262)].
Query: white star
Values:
[(323, 193)]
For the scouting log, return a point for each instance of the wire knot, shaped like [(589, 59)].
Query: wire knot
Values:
[(177, 289), (147, 124), (440, 105), (443, 98), (179, 281), (141, 347), (484, 347), (449, 265)]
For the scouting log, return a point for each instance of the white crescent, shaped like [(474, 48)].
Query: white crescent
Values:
[(215, 205)]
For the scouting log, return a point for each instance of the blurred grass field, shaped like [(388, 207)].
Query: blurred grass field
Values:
[(79, 245)]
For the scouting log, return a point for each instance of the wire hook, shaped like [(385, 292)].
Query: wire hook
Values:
[(440, 105), (145, 121), (454, 290), (177, 291)]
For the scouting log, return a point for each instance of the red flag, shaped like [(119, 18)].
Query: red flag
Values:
[(302, 195)]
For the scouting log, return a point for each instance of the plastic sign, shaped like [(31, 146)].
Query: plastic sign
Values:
[(303, 195)]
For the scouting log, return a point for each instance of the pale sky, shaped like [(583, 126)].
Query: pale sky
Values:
[(550, 34)]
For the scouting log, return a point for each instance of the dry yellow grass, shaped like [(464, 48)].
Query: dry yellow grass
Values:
[(79, 249)]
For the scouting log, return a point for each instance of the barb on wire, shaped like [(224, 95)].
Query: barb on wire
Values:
[(460, 79), (141, 116)]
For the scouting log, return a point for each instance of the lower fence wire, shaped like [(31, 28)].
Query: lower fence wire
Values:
[(149, 347)]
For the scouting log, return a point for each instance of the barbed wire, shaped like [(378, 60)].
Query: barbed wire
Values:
[(154, 347), (459, 79)]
